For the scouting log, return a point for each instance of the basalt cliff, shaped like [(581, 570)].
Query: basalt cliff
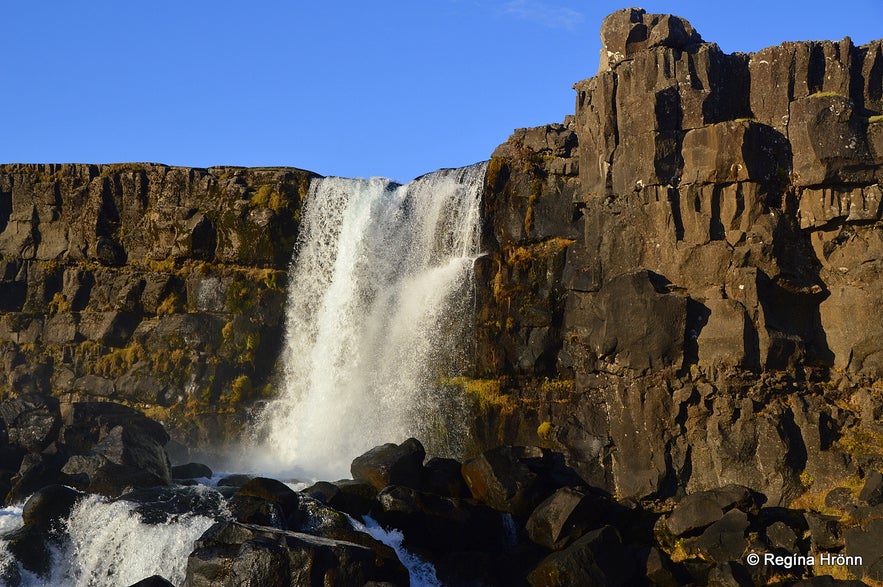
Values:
[(681, 285)]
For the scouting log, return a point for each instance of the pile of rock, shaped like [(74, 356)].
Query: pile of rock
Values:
[(100, 447)]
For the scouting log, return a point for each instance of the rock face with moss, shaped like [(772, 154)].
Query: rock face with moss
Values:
[(681, 288), (683, 281), (161, 287)]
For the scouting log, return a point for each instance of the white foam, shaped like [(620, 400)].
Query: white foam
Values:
[(422, 573), (110, 546)]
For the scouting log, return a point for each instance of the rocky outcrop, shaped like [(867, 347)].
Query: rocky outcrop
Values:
[(148, 285), (682, 282), (680, 293)]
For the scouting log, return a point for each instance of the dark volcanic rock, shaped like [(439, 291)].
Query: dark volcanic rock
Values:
[(32, 421), (267, 502), (49, 505), (598, 558), (865, 542), (229, 553), (503, 479), (563, 517), (699, 510), (352, 497), (724, 540), (392, 464), (437, 523), (191, 471)]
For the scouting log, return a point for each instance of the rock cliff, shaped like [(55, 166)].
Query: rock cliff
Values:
[(680, 291), (161, 287), (683, 284)]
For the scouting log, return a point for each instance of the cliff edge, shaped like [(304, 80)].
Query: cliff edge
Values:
[(683, 288)]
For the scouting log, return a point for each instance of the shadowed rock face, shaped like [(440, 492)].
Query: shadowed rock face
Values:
[(683, 278), (680, 291)]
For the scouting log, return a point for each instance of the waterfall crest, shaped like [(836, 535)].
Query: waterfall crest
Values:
[(379, 295)]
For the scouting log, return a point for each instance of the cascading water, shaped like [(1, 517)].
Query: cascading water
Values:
[(109, 545), (379, 293)]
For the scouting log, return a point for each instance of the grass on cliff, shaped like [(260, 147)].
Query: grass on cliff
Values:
[(488, 392)]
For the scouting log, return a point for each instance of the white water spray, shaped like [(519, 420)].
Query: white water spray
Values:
[(110, 545), (378, 297)]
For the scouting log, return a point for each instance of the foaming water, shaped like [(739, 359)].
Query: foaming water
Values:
[(110, 545), (421, 573), (377, 303)]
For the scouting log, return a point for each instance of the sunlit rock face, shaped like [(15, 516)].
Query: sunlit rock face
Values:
[(682, 273), (677, 287)]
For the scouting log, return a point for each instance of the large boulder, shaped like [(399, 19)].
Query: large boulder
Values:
[(234, 554), (564, 517), (438, 523), (598, 558), (699, 510), (392, 464), (502, 478)]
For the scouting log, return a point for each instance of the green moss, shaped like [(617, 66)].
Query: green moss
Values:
[(860, 442), (172, 304), (876, 118), (59, 304), (826, 95), (555, 386), (522, 256), (488, 392), (544, 430), (117, 362)]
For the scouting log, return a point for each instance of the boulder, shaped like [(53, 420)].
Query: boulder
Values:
[(700, 510), (563, 517), (824, 531), (392, 464), (865, 544), (268, 499), (352, 497), (191, 471), (235, 480), (503, 479), (48, 506), (598, 558), (130, 447), (37, 470), (230, 553), (444, 477), (725, 539), (30, 547), (434, 522), (159, 505), (87, 424)]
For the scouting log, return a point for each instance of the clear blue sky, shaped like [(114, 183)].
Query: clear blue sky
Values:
[(395, 88)]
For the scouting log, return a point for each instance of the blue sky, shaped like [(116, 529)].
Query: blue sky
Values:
[(392, 88)]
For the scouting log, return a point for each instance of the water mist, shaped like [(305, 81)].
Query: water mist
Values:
[(380, 298)]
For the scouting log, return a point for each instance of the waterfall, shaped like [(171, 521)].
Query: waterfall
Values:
[(110, 545), (379, 298)]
